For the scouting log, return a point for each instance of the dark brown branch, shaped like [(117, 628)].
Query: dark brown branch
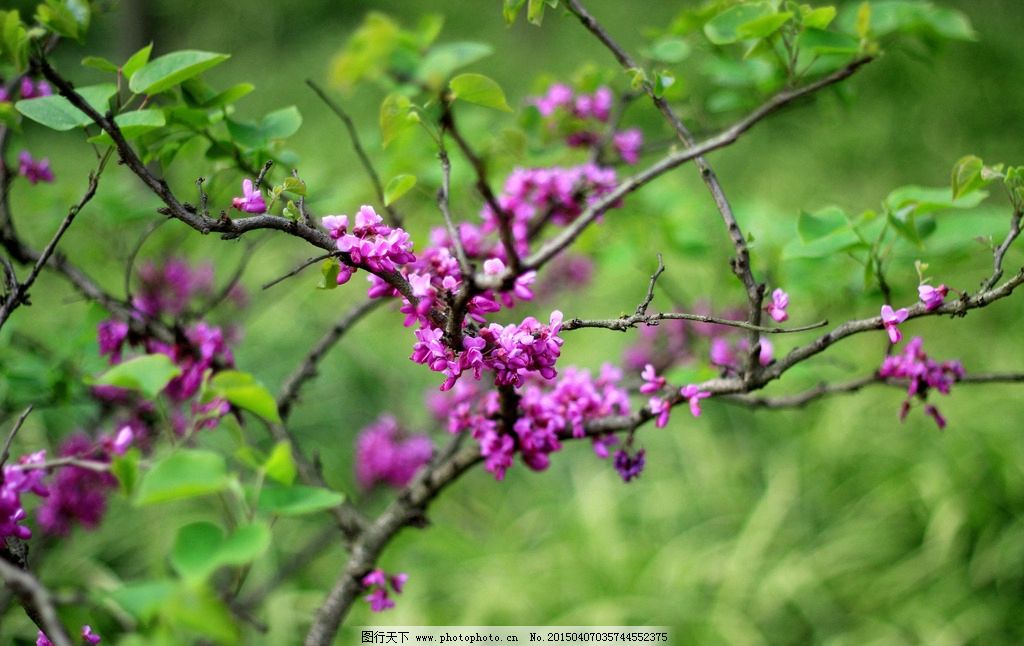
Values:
[(297, 270), (641, 309), (444, 205), (6, 452), (395, 219), (36, 599), (624, 323)]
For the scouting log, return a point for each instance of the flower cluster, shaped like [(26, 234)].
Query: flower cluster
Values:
[(377, 582), (777, 308), (629, 466), (923, 374), (34, 170), (370, 242), (580, 118), (28, 89), (385, 455), (75, 494)]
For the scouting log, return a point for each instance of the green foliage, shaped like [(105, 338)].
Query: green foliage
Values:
[(201, 548), (68, 18), (329, 270), (280, 465), (398, 186), (147, 375), (479, 89), (297, 500), (396, 115), (186, 473), (57, 113), (244, 391), (170, 70)]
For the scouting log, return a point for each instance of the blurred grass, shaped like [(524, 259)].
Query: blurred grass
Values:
[(832, 525)]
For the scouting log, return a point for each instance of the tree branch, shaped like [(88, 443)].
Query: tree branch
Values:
[(36, 599), (1000, 251)]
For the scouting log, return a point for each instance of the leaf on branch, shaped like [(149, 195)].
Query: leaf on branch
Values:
[(57, 113), (133, 125), (397, 187), (184, 474), (243, 391), (201, 548), (170, 70), (479, 89), (148, 374), (725, 28), (297, 500)]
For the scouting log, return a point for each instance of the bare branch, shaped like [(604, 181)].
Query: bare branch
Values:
[(1000, 251), (353, 135), (624, 323), (443, 203), (297, 270), (6, 452), (36, 599)]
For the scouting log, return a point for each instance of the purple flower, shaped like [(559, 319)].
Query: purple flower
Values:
[(602, 443), (923, 375), (777, 308), (559, 95), (652, 382), (89, 636), (721, 353), (76, 493), (251, 200), (628, 143), (32, 170), (629, 466), (111, 335), (661, 409), (694, 395), (932, 297), (377, 581), (384, 454), (890, 319), (30, 90), (43, 640)]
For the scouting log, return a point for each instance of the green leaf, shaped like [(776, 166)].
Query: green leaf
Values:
[(133, 124), (479, 89), (57, 113), (812, 226), (764, 26), (395, 113), (297, 500), (724, 28), (184, 474), (367, 52), (442, 60), (967, 175), (200, 609), (668, 50), (281, 124), (99, 63), (144, 599), (819, 18), (280, 464), (397, 187), (242, 390), (229, 96), (511, 9), (201, 548), (126, 469), (148, 374), (14, 39), (535, 12), (329, 270), (864, 20), (68, 18), (170, 70), (923, 200), (294, 185), (136, 61), (819, 41)]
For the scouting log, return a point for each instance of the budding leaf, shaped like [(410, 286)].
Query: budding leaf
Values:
[(819, 18), (136, 61), (99, 63), (967, 175), (397, 187), (185, 474), (169, 70), (444, 59), (242, 390), (764, 26), (280, 465), (668, 50), (395, 114), (511, 9), (148, 374), (479, 89), (724, 28), (329, 270)]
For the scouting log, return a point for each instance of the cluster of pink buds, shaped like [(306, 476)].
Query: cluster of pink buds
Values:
[(369, 242), (34, 170), (88, 637), (377, 582), (27, 89), (580, 118), (923, 375), (385, 455)]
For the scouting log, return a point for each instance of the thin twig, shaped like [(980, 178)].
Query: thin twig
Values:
[(298, 270), (624, 323), (395, 219), (641, 309), (6, 452), (37, 601), (444, 205), (1000, 251)]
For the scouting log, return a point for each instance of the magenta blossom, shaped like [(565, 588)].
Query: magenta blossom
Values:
[(384, 454), (932, 297), (777, 308), (34, 170), (377, 582), (629, 466), (890, 319), (30, 90), (661, 409), (694, 395), (251, 200), (628, 144)]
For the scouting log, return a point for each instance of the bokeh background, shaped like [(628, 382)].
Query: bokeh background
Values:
[(832, 524)]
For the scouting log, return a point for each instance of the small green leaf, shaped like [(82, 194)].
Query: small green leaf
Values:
[(200, 609), (126, 469), (535, 12), (68, 18), (294, 185), (242, 390), (668, 50), (136, 61), (819, 41), (148, 374), (511, 9), (724, 28), (329, 270), (812, 226), (397, 187), (479, 89), (442, 60), (281, 124), (169, 70), (864, 20), (297, 500), (229, 96), (144, 599), (394, 117), (819, 18), (99, 63), (201, 548), (57, 113), (280, 465), (764, 26), (967, 175), (923, 200), (184, 474), (133, 124)]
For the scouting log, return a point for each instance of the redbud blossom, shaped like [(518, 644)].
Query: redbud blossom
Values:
[(377, 582), (251, 200), (694, 395), (32, 170), (777, 308), (932, 297), (629, 466), (890, 319)]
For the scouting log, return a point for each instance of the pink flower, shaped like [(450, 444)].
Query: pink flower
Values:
[(932, 297), (652, 382), (694, 395), (252, 200), (890, 319), (661, 409), (628, 143), (32, 170), (777, 308), (89, 636)]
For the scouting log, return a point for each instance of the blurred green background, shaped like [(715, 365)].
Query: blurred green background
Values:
[(834, 524)]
